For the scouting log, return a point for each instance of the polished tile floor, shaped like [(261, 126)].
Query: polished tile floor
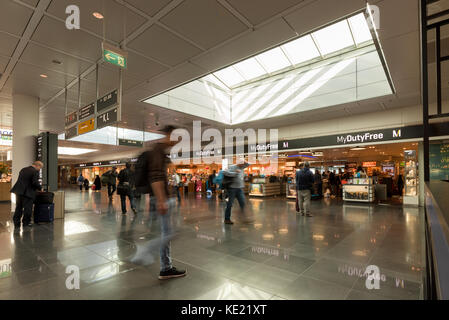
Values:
[(280, 256)]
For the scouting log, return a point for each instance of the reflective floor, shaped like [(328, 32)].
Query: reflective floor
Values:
[(280, 256)]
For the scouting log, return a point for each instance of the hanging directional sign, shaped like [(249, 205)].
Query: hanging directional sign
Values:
[(114, 55), (107, 118), (71, 132), (107, 101), (71, 118), (87, 111), (86, 126), (130, 143)]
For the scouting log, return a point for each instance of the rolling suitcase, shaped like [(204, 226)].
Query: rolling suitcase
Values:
[(44, 198), (44, 212)]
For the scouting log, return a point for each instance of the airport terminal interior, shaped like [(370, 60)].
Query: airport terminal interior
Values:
[(224, 149)]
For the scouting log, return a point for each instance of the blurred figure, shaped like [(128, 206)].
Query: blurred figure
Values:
[(235, 190), (155, 170), (86, 184), (176, 181), (97, 182), (80, 181), (125, 187), (111, 181)]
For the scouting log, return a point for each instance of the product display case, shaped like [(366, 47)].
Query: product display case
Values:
[(359, 190), (261, 187), (411, 178), (291, 190)]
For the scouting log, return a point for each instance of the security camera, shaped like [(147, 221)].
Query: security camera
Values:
[(157, 123)]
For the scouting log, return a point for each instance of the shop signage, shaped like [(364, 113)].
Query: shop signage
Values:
[(71, 132), (107, 101), (351, 165), (263, 147), (130, 143), (369, 164), (87, 111), (86, 126), (107, 118), (114, 55), (5, 137), (71, 118)]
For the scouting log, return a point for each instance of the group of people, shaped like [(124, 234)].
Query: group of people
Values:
[(84, 182)]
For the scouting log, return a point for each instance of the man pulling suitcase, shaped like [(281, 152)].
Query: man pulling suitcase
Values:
[(25, 190)]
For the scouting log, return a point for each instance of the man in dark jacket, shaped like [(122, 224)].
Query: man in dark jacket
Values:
[(304, 184), (25, 190), (165, 204), (125, 187), (112, 183)]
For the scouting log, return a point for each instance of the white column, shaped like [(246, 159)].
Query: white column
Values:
[(25, 124)]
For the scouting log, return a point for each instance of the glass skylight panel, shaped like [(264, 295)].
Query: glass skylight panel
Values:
[(334, 38), (229, 76), (301, 50), (250, 69), (273, 60), (360, 29), (213, 79)]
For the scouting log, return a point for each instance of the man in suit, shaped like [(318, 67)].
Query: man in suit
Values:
[(25, 189)]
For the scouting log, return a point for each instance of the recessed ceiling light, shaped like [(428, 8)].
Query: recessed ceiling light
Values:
[(97, 15), (43, 76)]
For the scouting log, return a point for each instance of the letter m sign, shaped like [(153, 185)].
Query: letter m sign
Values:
[(397, 133)]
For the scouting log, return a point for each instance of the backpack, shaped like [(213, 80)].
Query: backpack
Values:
[(142, 170), (105, 178)]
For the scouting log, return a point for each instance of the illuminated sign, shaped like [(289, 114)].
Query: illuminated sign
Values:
[(86, 126), (369, 164)]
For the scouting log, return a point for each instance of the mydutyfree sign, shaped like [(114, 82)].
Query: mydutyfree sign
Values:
[(366, 137)]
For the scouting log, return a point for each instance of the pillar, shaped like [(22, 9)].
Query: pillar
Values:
[(25, 125)]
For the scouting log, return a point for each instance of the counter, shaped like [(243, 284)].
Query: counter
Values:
[(359, 190), (261, 187), (5, 194)]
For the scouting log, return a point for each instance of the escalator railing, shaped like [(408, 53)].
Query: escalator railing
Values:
[(437, 241)]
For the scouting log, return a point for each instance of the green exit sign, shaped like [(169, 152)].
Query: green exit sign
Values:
[(114, 55)]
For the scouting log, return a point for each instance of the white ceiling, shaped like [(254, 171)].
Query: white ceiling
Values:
[(173, 42)]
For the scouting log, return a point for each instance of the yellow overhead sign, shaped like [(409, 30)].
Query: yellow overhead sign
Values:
[(86, 126)]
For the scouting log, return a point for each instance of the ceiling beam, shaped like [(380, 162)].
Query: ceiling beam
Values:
[(26, 36), (236, 14)]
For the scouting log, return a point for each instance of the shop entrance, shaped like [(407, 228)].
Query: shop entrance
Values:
[(385, 173)]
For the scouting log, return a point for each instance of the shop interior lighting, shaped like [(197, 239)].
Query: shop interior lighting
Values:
[(98, 15), (358, 149), (73, 151)]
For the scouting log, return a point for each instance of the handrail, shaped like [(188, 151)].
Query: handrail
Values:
[(437, 240)]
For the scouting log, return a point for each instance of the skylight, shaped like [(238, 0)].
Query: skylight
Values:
[(360, 29), (337, 64), (250, 69), (301, 50), (273, 60), (229, 76), (334, 38)]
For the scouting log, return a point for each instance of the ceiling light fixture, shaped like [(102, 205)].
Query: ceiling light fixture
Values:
[(357, 149), (98, 15), (43, 76), (73, 151)]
